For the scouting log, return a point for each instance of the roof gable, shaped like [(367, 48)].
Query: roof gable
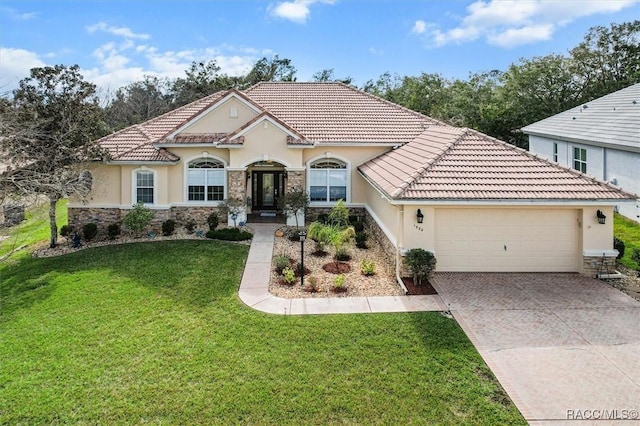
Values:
[(446, 163), (612, 120), (292, 136)]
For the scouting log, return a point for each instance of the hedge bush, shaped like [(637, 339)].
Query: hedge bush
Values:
[(229, 234), (66, 230), (113, 230), (89, 231), (168, 226), (618, 244)]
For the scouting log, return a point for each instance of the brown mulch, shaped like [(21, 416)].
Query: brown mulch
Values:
[(414, 289), (337, 267)]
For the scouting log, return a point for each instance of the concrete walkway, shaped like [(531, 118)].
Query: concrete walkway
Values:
[(254, 289)]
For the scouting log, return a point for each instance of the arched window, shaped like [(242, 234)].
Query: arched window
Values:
[(144, 183), (328, 180), (205, 180)]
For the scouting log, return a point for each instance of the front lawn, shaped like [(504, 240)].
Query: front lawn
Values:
[(154, 333), (629, 232)]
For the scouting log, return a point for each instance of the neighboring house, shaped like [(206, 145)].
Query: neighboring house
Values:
[(478, 203), (600, 138)]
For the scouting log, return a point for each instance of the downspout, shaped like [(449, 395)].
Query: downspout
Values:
[(399, 243)]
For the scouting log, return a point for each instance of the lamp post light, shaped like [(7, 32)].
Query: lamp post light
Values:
[(303, 236)]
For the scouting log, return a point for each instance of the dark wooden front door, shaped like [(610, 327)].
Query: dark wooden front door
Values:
[(267, 188)]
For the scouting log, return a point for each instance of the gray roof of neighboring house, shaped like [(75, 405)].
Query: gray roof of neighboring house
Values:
[(612, 120)]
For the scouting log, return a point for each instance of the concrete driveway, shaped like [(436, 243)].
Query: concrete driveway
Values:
[(564, 347)]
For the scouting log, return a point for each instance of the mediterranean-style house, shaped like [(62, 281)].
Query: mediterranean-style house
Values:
[(600, 138), (478, 203)]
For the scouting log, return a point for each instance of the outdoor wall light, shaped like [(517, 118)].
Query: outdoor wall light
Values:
[(601, 217), (419, 216)]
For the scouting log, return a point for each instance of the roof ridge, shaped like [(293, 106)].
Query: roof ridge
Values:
[(411, 179)]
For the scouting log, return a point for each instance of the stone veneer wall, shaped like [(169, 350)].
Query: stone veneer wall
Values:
[(593, 265), (376, 236), (103, 217), (236, 184), (295, 181)]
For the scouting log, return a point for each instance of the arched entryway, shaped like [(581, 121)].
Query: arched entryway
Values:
[(266, 183)]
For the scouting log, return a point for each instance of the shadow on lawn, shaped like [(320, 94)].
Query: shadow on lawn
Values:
[(195, 272)]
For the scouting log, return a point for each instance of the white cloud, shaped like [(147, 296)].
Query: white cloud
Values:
[(15, 65), (509, 23), (296, 10), (419, 27), (118, 31), (376, 52), (17, 16)]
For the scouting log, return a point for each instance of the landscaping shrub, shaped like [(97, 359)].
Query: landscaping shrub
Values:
[(139, 218), (168, 226), (288, 276), (311, 285), (361, 239), (618, 244), (294, 235), (282, 262), (229, 234), (113, 230), (367, 267), (339, 283), (213, 221), (421, 263), (322, 218), (357, 222), (190, 226), (66, 230), (342, 254), (89, 231), (339, 215)]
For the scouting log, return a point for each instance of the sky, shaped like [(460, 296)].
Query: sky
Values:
[(116, 42)]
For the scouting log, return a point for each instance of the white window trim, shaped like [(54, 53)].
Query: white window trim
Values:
[(185, 187), (573, 158), (308, 178), (134, 185)]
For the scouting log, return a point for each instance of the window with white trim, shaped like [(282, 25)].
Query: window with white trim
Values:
[(580, 159), (328, 180), (205, 180), (145, 186)]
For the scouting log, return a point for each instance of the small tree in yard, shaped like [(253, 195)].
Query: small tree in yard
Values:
[(421, 263), (47, 134), (294, 203), (139, 218), (233, 207)]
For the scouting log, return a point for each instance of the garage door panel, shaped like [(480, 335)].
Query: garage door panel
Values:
[(535, 240)]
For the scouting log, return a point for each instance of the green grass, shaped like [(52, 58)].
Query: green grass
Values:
[(629, 232), (33, 229), (154, 333)]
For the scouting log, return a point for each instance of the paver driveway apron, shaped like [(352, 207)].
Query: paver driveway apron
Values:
[(563, 346)]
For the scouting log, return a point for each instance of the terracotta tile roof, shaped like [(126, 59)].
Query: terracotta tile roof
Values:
[(123, 145), (447, 163), (336, 112), (189, 138)]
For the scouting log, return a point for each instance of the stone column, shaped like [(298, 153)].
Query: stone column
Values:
[(237, 188), (295, 182)]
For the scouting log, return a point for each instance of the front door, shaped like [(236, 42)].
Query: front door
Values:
[(267, 188)]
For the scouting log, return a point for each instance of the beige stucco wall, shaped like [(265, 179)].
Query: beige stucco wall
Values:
[(385, 214), (106, 186), (265, 139), (596, 236), (219, 121)]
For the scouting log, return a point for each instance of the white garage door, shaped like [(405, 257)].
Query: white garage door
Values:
[(503, 240)]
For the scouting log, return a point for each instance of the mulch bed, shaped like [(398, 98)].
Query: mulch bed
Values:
[(413, 289), (337, 267)]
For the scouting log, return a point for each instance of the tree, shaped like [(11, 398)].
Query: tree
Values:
[(326, 75), (202, 79), (294, 203), (608, 59), (138, 102), (271, 69), (48, 136)]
